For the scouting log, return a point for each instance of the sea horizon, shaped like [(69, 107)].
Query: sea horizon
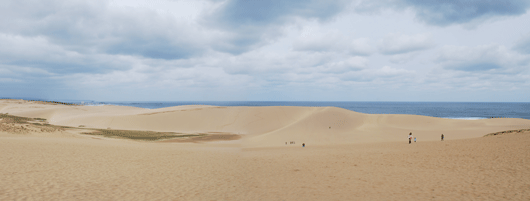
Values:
[(450, 110)]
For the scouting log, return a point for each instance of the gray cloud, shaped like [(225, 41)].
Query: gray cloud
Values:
[(315, 40), (523, 45), (95, 27), (446, 12), (41, 55), (241, 13), (457, 11), (250, 24), (238, 41), (399, 44)]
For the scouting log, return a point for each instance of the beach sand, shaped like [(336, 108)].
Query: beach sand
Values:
[(361, 157)]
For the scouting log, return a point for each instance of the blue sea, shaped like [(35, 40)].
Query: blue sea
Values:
[(453, 110)]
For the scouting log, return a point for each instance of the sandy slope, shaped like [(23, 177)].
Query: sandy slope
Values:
[(51, 167)]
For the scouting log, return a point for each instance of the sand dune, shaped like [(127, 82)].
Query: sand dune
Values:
[(361, 157), (266, 126)]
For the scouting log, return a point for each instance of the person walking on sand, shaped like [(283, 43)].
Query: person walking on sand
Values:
[(410, 137), (303, 144), (442, 137), (414, 139)]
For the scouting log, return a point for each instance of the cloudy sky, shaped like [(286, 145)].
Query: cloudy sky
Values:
[(277, 50)]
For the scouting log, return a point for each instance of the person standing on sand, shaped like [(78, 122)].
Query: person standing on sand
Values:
[(442, 137), (410, 137), (303, 144), (414, 139)]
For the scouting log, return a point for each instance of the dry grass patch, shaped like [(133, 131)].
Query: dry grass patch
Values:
[(207, 138), (6, 118), (140, 135), (508, 132), (24, 125)]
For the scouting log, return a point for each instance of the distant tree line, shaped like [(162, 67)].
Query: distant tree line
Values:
[(43, 101)]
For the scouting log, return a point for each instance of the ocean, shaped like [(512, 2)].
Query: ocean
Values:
[(452, 110)]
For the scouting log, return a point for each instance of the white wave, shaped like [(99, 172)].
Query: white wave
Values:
[(466, 118), (94, 104)]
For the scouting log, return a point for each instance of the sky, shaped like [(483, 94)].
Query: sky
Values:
[(276, 50)]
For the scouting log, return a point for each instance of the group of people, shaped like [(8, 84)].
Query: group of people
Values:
[(292, 142), (410, 137)]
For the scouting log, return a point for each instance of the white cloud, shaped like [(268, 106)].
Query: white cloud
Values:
[(492, 58), (402, 58), (385, 76), (392, 72), (361, 46), (331, 41), (355, 63), (126, 49), (488, 68), (393, 43), (316, 40)]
